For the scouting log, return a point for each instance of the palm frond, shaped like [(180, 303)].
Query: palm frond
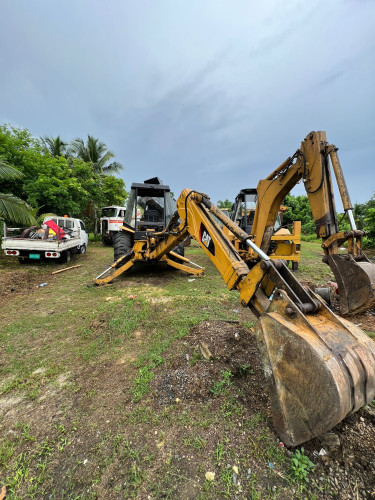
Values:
[(112, 168), (8, 172), (55, 145), (41, 217), (13, 209), (96, 153)]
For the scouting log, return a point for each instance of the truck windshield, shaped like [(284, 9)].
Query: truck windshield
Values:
[(108, 212)]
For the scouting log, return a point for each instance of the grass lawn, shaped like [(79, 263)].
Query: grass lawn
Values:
[(151, 387)]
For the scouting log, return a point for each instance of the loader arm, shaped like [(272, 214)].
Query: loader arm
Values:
[(354, 273)]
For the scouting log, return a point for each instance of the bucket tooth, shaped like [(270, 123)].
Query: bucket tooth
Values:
[(320, 368), (356, 283)]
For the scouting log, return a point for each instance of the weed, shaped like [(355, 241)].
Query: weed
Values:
[(25, 432), (141, 383), (46, 448), (244, 369), (60, 429), (226, 477), (231, 408), (128, 452), (219, 453), (6, 451), (254, 420), (220, 385), (196, 356), (62, 443), (300, 466), (198, 443), (33, 394)]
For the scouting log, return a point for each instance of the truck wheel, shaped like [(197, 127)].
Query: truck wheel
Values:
[(122, 243), (65, 257), (23, 260), (107, 241), (82, 249)]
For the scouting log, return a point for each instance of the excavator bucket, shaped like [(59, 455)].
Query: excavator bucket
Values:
[(320, 368), (356, 283)]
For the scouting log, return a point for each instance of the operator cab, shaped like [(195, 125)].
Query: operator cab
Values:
[(150, 206), (244, 209)]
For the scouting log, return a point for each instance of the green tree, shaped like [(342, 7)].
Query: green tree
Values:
[(368, 218), (299, 209), (56, 184), (224, 204), (96, 153), (55, 146), (12, 209)]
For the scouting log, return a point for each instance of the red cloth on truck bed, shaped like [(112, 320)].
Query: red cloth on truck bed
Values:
[(52, 225)]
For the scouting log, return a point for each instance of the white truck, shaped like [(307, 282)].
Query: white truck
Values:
[(111, 220), (59, 238)]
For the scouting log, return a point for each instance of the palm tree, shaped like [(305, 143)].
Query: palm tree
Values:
[(96, 153), (55, 145), (12, 208)]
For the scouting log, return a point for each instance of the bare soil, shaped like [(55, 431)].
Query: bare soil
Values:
[(348, 463)]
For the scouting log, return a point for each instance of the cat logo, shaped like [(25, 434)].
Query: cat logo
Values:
[(206, 239)]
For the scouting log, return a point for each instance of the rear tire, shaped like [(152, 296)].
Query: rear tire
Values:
[(122, 243), (23, 260), (180, 249), (65, 257)]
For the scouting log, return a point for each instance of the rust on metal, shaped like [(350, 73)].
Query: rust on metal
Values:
[(319, 369), (356, 282)]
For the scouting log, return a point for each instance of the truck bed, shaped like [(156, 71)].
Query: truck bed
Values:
[(12, 243)]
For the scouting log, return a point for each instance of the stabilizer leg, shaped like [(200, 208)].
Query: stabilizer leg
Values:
[(182, 267)]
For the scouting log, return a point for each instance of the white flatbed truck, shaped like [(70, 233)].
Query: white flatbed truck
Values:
[(70, 238)]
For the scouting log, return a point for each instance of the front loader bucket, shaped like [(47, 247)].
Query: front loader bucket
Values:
[(356, 283), (320, 368)]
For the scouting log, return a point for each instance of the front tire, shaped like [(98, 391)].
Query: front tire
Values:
[(107, 241), (82, 249), (122, 243)]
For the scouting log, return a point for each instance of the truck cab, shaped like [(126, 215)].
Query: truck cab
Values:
[(110, 222)]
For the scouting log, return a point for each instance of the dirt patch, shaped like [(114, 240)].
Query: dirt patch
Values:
[(19, 282), (345, 465), (233, 350), (99, 324)]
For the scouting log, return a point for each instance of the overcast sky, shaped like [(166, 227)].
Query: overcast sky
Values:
[(206, 94)]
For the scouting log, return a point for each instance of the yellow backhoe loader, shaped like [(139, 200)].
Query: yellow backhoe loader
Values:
[(320, 367), (284, 244)]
